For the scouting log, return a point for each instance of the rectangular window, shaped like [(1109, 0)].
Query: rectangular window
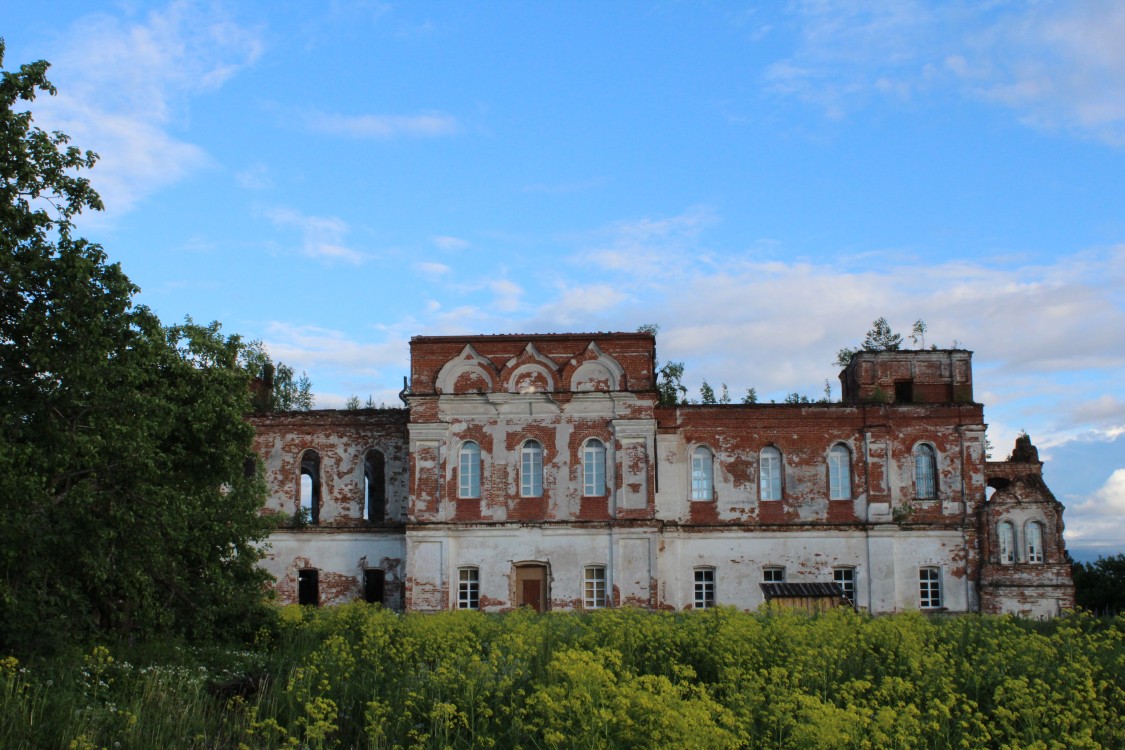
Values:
[(702, 474), (846, 578), (770, 474), (308, 587), (468, 588), (704, 588), (929, 588), (773, 574), (593, 596), (839, 473)]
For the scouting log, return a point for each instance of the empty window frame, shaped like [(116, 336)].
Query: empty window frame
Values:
[(929, 588), (373, 585), (702, 474), (308, 587), (594, 587), (593, 468), (845, 577), (773, 574), (468, 588), (531, 469), (925, 472), (704, 588), (839, 473), (1034, 535), (770, 473), (1006, 540), (468, 470), (310, 486), (374, 488)]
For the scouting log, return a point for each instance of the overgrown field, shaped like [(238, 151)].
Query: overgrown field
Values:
[(360, 676)]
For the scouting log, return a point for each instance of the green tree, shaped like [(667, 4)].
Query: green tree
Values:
[(707, 394), (670, 387), (130, 499), (1100, 586), (881, 338), (751, 396), (352, 404)]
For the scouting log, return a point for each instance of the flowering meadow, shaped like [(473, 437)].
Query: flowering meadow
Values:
[(360, 676)]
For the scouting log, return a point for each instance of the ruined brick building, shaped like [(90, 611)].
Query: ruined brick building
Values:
[(540, 470)]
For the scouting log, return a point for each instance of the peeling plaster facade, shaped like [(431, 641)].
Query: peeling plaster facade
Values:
[(540, 470)]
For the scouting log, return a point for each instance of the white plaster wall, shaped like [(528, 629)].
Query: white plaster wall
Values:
[(344, 553)]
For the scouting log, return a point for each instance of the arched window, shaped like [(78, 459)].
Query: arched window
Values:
[(310, 486), (593, 469), (839, 473), (925, 472), (374, 488), (770, 473), (1034, 536), (468, 471), (531, 469), (1006, 539), (702, 474)]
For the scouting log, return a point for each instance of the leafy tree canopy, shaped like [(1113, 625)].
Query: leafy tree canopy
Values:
[(1100, 586), (879, 339), (130, 499)]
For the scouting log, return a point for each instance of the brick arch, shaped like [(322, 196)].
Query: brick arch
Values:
[(530, 372), (468, 372), (594, 370)]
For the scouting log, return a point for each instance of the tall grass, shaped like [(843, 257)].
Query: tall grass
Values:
[(363, 677)]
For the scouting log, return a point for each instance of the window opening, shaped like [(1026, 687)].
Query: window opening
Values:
[(846, 578), (308, 587), (704, 588), (773, 574), (904, 391), (770, 472), (925, 470), (468, 588), (531, 469), (374, 488), (593, 469), (1034, 542), (702, 474), (839, 473), (310, 485), (594, 587), (373, 585), (468, 474), (929, 588), (1007, 539)]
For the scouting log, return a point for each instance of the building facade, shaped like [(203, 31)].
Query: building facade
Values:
[(541, 471)]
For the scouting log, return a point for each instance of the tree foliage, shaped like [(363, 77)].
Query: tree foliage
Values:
[(670, 387), (880, 338), (130, 495), (1100, 586)]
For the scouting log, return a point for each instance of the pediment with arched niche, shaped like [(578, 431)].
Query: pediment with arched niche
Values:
[(594, 370), (530, 372), (468, 372)]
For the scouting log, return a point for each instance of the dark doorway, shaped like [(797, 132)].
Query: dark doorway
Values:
[(373, 580), (308, 587), (531, 586)]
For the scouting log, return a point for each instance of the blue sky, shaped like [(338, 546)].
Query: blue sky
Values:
[(761, 179)]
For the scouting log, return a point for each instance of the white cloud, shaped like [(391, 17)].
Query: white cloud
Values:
[(124, 82), (254, 177), (382, 126), (650, 246), (508, 294), (433, 270), (1101, 517), (322, 236), (450, 243), (1055, 64)]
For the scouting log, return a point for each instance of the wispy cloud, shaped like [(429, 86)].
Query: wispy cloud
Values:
[(322, 236), (430, 125), (647, 246), (1057, 65), (254, 177), (450, 243), (124, 81)]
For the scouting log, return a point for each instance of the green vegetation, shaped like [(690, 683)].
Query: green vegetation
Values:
[(129, 506), (361, 676), (1100, 586)]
